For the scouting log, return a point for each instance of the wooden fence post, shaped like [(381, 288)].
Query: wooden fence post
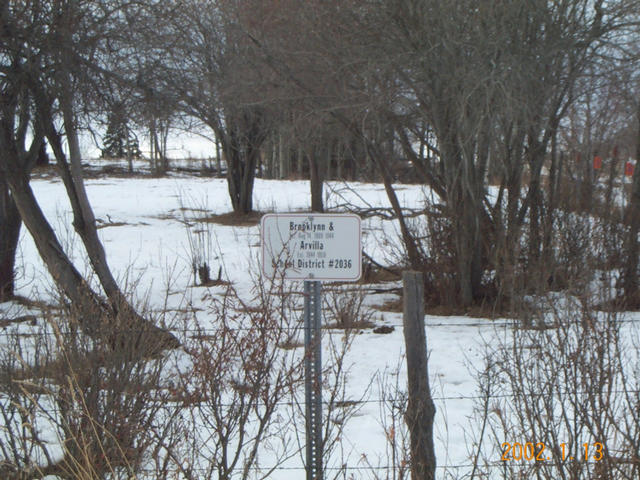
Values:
[(420, 409)]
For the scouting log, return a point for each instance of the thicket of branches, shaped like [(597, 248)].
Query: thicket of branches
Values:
[(498, 109)]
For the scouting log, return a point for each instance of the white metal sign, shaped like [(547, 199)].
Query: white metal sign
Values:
[(312, 246)]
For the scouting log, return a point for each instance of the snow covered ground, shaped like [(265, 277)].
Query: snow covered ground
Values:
[(145, 237)]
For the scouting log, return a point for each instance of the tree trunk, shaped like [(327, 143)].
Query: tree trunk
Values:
[(63, 272), (508, 251), (118, 319), (329, 159), (127, 152), (43, 158), (218, 158), (12, 144), (242, 156), (284, 160), (547, 248), (119, 325), (84, 221), (10, 223), (164, 136), (248, 179), (533, 205), (152, 154), (467, 239), (299, 163), (464, 185), (156, 149), (535, 209), (413, 252), (316, 181)]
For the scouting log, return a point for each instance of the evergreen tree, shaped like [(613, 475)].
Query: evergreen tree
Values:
[(119, 140)]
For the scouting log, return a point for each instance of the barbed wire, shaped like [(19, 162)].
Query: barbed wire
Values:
[(406, 467), (518, 324), (178, 401), (510, 465)]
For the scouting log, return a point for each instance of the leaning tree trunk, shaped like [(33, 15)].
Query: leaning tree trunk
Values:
[(85, 225), (10, 224), (84, 221), (116, 322), (10, 221), (123, 329), (409, 239), (60, 267)]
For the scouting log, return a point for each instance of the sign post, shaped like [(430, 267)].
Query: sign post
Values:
[(314, 248), (313, 378)]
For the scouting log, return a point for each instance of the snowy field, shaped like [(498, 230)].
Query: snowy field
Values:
[(146, 240)]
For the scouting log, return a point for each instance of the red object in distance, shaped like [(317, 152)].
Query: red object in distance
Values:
[(628, 169), (597, 162)]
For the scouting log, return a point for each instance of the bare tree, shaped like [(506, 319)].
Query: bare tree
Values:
[(210, 74), (15, 118), (56, 67)]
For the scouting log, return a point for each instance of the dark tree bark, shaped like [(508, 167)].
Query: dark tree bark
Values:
[(43, 157), (70, 170), (316, 180), (241, 144), (240, 178), (465, 191), (63, 272), (10, 223), (15, 117)]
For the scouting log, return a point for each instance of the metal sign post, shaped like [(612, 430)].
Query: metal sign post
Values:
[(314, 248), (313, 378)]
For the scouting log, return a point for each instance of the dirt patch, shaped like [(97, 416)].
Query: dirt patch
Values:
[(169, 216), (111, 224), (233, 219), (356, 325), (384, 330), (193, 209), (44, 172)]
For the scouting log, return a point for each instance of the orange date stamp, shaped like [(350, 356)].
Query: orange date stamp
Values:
[(538, 452)]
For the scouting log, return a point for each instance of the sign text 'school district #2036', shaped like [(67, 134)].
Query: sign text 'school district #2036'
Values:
[(312, 246)]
